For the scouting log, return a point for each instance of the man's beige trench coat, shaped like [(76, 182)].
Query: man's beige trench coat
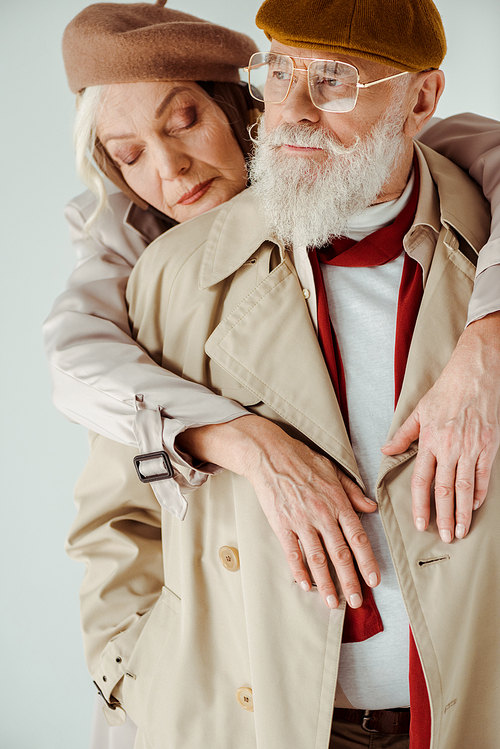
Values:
[(197, 627)]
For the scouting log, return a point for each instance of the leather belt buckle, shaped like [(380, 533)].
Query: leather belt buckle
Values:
[(368, 715), (167, 474), (396, 721)]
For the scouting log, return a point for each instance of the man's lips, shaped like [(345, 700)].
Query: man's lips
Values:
[(299, 149), (196, 193)]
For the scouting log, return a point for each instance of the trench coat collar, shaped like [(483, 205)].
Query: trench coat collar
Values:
[(454, 188), (237, 232)]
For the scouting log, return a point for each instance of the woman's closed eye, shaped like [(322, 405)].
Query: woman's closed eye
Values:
[(182, 119), (127, 156)]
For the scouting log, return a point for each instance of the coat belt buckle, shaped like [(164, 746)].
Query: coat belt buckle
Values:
[(167, 465), (368, 714)]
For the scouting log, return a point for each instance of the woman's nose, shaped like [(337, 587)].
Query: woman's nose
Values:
[(172, 161)]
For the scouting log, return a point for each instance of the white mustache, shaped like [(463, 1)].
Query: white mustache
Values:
[(306, 136)]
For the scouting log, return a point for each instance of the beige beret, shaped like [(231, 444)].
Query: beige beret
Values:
[(403, 34), (124, 43)]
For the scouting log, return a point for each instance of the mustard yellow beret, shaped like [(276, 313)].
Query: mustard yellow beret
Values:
[(130, 42), (403, 34)]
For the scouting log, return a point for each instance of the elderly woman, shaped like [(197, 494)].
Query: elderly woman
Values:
[(161, 110), (162, 113)]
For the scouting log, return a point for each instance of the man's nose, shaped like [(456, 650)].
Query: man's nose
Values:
[(172, 160), (298, 106)]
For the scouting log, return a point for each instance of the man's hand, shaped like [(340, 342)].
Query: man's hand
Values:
[(308, 502), (457, 424)]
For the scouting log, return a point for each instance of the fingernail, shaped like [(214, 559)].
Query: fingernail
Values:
[(371, 501), (445, 536), (305, 585), (460, 530), (476, 504), (332, 602), (355, 600), (372, 580), (420, 524)]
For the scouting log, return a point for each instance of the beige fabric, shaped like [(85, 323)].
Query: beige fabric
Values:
[(219, 304)]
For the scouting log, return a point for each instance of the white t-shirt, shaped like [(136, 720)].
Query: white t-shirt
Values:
[(363, 309)]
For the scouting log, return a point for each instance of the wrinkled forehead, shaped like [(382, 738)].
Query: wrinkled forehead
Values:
[(125, 97), (368, 69), (124, 103)]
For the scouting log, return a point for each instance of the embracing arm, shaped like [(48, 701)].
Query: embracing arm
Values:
[(473, 143), (97, 368), (458, 421)]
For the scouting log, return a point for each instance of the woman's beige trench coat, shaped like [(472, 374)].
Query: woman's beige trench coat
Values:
[(196, 627)]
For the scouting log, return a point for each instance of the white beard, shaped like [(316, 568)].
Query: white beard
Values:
[(306, 202)]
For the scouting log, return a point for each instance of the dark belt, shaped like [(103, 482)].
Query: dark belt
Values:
[(376, 721)]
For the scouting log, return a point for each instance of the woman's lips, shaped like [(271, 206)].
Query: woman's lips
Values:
[(196, 193)]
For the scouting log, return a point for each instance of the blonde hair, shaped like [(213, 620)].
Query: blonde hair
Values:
[(88, 104)]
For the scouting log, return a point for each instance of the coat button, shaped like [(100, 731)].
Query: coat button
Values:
[(244, 698), (230, 558)]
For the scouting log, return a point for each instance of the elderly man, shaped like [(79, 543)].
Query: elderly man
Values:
[(327, 299)]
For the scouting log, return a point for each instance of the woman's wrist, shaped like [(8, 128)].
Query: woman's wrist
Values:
[(233, 445)]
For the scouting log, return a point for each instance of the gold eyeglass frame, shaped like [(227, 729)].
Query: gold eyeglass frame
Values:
[(306, 70)]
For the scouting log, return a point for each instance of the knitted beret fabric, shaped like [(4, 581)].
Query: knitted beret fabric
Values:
[(124, 43), (403, 34)]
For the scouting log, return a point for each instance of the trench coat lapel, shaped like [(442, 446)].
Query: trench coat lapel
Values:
[(448, 285), (268, 344), (439, 325)]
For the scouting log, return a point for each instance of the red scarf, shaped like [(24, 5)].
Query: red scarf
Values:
[(378, 248)]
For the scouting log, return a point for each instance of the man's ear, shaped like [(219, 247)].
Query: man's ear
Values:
[(425, 94)]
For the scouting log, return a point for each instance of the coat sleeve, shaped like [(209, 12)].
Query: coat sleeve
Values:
[(117, 535), (98, 369), (473, 142)]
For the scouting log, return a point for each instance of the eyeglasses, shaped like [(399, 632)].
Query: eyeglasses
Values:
[(333, 85)]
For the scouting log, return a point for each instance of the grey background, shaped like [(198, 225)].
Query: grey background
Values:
[(46, 695)]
